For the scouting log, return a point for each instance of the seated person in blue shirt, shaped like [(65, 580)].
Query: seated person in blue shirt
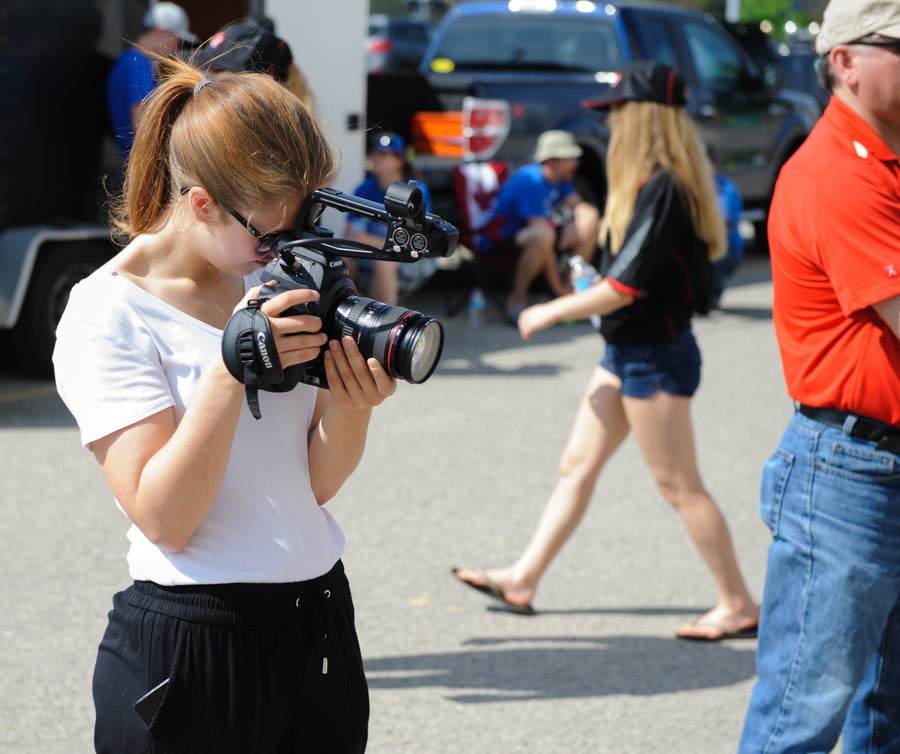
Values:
[(537, 215), (382, 280)]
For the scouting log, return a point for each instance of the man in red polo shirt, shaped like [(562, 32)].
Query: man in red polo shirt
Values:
[(829, 637)]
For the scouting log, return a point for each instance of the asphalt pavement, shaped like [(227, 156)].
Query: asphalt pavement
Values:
[(456, 473)]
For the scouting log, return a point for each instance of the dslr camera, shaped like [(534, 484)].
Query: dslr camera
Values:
[(406, 343)]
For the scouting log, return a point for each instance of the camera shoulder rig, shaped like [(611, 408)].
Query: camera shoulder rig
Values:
[(249, 352)]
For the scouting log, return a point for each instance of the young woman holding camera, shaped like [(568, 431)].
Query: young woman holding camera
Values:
[(661, 226), (238, 632)]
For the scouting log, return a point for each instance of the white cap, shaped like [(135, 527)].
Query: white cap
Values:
[(169, 17), (845, 21)]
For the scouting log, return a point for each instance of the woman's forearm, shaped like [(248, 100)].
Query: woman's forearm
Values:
[(600, 298), (336, 445)]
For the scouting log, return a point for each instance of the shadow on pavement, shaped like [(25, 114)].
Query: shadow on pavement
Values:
[(749, 312), (32, 404), (568, 667)]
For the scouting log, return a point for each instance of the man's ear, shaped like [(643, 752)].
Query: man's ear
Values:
[(845, 63)]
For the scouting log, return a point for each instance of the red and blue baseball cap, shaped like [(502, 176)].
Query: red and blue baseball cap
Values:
[(644, 81)]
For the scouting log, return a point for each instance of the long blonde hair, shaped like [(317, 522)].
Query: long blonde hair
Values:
[(647, 137), (244, 137)]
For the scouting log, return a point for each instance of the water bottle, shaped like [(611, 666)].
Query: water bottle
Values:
[(476, 308), (583, 276)]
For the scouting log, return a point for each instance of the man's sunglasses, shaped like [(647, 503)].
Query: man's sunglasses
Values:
[(889, 44)]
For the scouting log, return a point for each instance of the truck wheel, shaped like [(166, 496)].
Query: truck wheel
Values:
[(760, 237), (58, 268)]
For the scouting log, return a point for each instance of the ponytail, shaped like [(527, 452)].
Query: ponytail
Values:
[(147, 190), (244, 137)]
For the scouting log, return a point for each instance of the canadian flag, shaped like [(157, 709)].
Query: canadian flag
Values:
[(476, 185)]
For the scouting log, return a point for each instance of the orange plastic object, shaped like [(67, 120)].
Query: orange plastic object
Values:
[(438, 133)]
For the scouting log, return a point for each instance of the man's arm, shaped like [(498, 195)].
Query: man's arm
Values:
[(889, 311)]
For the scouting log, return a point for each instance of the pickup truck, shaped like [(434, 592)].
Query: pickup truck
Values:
[(497, 74)]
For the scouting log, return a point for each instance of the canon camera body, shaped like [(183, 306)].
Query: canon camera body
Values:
[(406, 343)]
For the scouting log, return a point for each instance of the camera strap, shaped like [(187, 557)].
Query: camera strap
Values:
[(249, 353)]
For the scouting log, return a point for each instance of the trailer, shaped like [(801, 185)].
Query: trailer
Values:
[(58, 163)]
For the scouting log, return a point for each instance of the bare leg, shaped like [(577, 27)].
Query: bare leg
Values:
[(663, 430), (599, 429), (535, 254), (580, 234), (555, 282), (384, 284)]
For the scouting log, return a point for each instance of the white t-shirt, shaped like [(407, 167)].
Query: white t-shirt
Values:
[(123, 355)]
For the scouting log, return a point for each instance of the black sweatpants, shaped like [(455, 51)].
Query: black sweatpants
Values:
[(246, 668)]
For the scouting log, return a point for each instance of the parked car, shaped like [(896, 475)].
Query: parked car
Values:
[(788, 65), (797, 64), (395, 43)]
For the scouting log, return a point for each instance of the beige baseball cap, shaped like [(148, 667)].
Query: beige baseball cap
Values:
[(559, 145), (845, 21)]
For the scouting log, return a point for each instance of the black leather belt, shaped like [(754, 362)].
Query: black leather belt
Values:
[(887, 437)]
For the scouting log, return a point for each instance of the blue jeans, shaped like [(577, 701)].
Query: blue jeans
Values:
[(828, 657)]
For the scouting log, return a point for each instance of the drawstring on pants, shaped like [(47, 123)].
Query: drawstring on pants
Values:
[(324, 625)]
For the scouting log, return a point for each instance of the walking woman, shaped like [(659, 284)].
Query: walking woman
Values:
[(661, 227), (238, 633)]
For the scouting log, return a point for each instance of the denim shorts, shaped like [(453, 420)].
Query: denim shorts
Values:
[(644, 370)]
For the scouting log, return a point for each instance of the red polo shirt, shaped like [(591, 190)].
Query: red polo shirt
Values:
[(834, 234)]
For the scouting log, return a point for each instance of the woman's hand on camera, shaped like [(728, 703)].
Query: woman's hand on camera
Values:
[(298, 337), (355, 382)]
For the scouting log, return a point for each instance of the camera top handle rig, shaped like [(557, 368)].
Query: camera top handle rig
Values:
[(412, 233)]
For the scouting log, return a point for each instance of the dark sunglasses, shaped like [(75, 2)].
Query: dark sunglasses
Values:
[(888, 44), (265, 241)]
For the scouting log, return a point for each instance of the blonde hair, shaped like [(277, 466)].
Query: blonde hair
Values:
[(298, 84), (245, 138), (647, 137)]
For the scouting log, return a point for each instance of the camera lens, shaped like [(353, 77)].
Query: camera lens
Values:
[(406, 343)]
